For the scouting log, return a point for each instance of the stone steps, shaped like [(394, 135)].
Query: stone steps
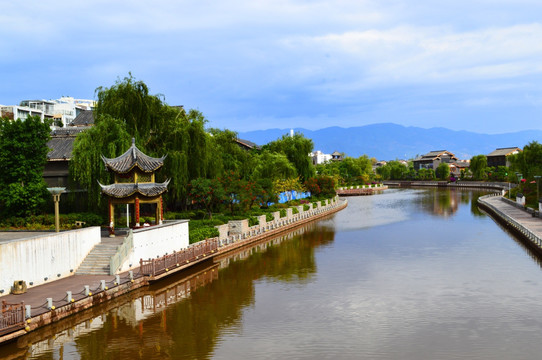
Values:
[(97, 261)]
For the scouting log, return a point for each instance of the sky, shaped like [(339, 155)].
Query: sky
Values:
[(471, 65)]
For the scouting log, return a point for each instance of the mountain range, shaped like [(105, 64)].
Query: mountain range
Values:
[(389, 141)]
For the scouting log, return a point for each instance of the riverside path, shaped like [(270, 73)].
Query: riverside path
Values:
[(518, 219)]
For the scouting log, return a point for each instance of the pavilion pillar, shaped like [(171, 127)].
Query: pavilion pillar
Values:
[(157, 213), (111, 219), (136, 211), (161, 210)]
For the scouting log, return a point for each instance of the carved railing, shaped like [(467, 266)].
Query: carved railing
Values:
[(153, 267), (11, 317)]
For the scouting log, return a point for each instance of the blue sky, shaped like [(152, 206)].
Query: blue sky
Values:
[(468, 65)]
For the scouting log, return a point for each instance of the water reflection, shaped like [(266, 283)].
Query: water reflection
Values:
[(409, 274), (158, 322)]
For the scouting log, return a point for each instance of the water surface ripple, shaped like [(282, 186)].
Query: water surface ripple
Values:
[(408, 274)]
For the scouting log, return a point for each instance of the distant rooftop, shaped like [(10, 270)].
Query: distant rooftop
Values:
[(504, 151)]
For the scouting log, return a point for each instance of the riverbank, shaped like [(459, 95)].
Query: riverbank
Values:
[(456, 184), (520, 221), (38, 308), (360, 190)]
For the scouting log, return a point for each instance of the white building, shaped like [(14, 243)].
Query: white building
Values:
[(20, 112), (319, 157), (63, 111)]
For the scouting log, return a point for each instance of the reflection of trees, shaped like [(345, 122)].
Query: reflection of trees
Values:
[(474, 204), (445, 201), (191, 328), (440, 202)]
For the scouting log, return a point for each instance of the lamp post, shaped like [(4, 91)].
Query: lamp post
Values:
[(56, 192)]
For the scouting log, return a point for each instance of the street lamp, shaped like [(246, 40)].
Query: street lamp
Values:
[(56, 192)]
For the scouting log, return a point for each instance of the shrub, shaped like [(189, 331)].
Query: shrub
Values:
[(253, 221), (295, 210), (282, 213), (202, 233), (306, 207)]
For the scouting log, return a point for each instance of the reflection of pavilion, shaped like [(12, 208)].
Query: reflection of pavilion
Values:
[(134, 183), (131, 313)]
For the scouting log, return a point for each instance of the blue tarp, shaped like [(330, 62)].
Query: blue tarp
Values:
[(292, 195)]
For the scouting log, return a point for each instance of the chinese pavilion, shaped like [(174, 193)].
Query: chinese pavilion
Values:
[(134, 183)]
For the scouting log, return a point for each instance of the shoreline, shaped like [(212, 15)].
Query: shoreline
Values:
[(126, 283)]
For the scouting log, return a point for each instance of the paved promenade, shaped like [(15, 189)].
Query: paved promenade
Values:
[(37, 296), (517, 218)]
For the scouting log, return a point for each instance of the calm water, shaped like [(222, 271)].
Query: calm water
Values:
[(408, 274)]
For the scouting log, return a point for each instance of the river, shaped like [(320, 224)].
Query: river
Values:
[(406, 274)]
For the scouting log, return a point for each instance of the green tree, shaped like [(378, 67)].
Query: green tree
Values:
[(109, 138), (297, 149), (426, 174), (443, 171), (159, 129), (129, 100), (478, 165), (207, 192), (529, 161), (393, 170), (273, 166), (23, 154)]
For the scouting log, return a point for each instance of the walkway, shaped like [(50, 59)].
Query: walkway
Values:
[(519, 219), (37, 296)]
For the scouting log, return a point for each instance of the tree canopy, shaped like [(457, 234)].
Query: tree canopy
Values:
[(529, 161), (23, 154), (478, 165), (297, 149), (194, 154)]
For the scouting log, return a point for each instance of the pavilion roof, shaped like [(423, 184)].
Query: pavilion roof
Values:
[(133, 157), (125, 190)]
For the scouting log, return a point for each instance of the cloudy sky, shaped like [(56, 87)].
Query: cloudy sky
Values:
[(469, 65)]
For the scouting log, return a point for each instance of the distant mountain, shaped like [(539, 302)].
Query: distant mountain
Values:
[(391, 141)]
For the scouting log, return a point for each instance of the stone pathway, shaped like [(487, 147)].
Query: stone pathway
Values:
[(521, 216)]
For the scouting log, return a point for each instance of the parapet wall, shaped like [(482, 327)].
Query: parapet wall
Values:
[(156, 241), (52, 257)]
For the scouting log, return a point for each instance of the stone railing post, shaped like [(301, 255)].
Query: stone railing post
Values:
[(262, 219), (222, 231), (238, 227)]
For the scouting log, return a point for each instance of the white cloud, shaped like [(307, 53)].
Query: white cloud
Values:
[(240, 56), (423, 55)]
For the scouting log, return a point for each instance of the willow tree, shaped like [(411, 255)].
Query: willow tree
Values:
[(297, 149), (108, 137), (160, 129), (130, 101), (232, 156), (273, 166)]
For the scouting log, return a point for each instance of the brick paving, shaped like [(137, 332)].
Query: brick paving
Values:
[(37, 296)]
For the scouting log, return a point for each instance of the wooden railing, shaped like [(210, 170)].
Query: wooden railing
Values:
[(11, 317), (160, 265), (153, 267)]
